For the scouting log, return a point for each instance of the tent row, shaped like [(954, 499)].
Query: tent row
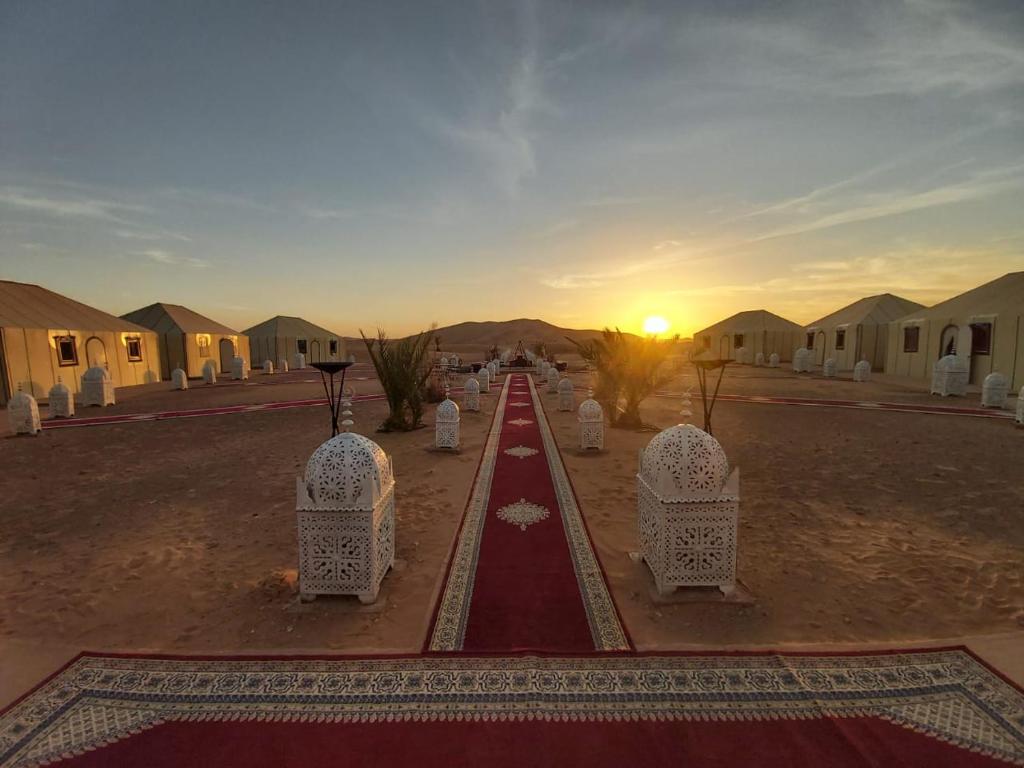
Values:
[(45, 336)]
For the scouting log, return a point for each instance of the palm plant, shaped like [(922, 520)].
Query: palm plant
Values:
[(402, 369)]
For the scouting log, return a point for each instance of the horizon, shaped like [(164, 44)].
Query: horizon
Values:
[(366, 167)]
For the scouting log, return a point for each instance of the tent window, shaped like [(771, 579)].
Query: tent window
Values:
[(204, 345), (737, 340), (134, 349), (333, 346), (301, 346), (840, 338), (911, 336), (810, 340), (67, 350), (981, 338)]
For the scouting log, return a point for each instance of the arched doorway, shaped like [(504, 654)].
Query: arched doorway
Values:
[(819, 348), (227, 355), (947, 342), (723, 348), (95, 352), (314, 351)]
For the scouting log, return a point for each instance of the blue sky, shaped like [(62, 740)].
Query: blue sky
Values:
[(387, 164)]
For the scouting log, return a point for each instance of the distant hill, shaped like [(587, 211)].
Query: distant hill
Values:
[(508, 332)]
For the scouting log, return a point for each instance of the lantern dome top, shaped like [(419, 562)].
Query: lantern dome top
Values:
[(590, 410), (96, 373), (349, 472), (951, 363), (20, 400), (447, 411), (60, 388), (472, 386), (684, 463), (565, 385)]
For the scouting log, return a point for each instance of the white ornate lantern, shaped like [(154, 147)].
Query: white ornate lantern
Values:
[(239, 369), (282, 365), (759, 359), (484, 375), (62, 402), (773, 360), (471, 395), (178, 379), (346, 518), (741, 356), (688, 510), (495, 368), (802, 360), (23, 414), (268, 367), (210, 372), (862, 371), (829, 368), (552, 380), (444, 363), (949, 376), (994, 390), (591, 420), (298, 361), (565, 395), (446, 425), (1020, 407), (97, 388)]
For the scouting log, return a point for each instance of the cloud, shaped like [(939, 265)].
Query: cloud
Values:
[(126, 234), (319, 214), (79, 207), (166, 257)]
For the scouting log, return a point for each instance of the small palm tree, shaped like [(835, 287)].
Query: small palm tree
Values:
[(403, 369)]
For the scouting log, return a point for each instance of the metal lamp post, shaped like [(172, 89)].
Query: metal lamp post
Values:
[(334, 399)]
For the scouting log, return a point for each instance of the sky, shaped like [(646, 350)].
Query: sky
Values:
[(392, 165)]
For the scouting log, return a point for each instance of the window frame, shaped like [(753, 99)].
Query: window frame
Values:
[(737, 340), (810, 340), (840, 339), (65, 339), (204, 349), (128, 342), (332, 346), (988, 338), (911, 333), (301, 346)]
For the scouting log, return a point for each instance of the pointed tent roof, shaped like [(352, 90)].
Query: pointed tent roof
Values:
[(25, 305), (161, 315), (1004, 294), (872, 310), (286, 326), (752, 320)]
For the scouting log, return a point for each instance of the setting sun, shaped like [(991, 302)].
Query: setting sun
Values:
[(655, 325)]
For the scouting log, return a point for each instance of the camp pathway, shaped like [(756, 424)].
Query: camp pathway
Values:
[(523, 575)]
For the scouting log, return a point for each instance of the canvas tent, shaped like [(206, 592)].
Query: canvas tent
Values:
[(44, 335), (757, 330), (859, 331), (188, 340), (984, 326), (282, 336)]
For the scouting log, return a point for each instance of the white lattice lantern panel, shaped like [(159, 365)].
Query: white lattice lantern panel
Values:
[(239, 369), (282, 365), (446, 425), (1020, 407), (566, 401), (994, 390), (23, 414), (97, 388), (62, 402), (688, 510), (484, 377), (210, 372), (471, 395), (346, 518), (298, 361), (802, 360), (179, 380), (268, 367), (829, 368), (949, 376), (773, 360), (552, 380), (759, 359), (862, 371), (591, 420)]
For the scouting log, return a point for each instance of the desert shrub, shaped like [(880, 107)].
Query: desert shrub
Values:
[(403, 367)]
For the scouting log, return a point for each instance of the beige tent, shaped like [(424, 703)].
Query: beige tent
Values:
[(188, 340), (44, 335), (859, 331), (757, 330), (283, 336), (984, 326)]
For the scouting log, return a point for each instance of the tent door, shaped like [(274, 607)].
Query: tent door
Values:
[(95, 352), (314, 351), (949, 343), (819, 347), (723, 348), (227, 355), (963, 349)]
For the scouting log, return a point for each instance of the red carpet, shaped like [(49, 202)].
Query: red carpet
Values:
[(523, 574), (914, 708)]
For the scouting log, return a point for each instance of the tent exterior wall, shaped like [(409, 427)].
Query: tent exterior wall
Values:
[(859, 331), (281, 337), (984, 326), (757, 330)]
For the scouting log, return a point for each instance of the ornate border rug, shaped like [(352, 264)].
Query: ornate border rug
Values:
[(922, 708)]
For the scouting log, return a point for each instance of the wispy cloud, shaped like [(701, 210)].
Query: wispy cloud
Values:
[(167, 257), (321, 214), (127, 234), (72, 207)]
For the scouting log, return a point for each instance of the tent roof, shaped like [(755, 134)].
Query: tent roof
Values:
[(286, 326), (183, 318), (24, 305), (1004, 294), (752, 320), (873, 310)]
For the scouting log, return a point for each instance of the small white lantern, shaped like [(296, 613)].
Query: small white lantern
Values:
[(862, 371), (759, 359), (949, 376), (741, 356), (97, 388), (1020, 407), (591, 420), (565, 395), (688, 509), (268, 367), (298, 361), (484, 376), (471, 395), (239, 369), (773, 360), (210, 372), (346, 518), (178, 379), (446, 425), (540, 366), (282, 365), (62, 402), (994, 390), (23, 414), (802, 360), (829, 368), (552, 380), (495, 368)]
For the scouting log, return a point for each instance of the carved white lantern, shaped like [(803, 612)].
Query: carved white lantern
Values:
[(298, 361), (62, 402), (346, 517), (862, 371), (829, 368), (282, 365), (446, 425), (741, 356), (688, 510), (495, 368), (773, 360), (994, 390), (802, 360), (210, 372), (591, 420), (268, 367), (949, 376), (178, 379), (552, 380), (239, 369), (444, 363), (759, 359), (97, 388), (1020, 407), (566, 401), (471, 395), (484, 375), (23, 414)]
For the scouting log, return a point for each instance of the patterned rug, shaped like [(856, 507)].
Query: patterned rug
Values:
[(912, 708), (523, 574)]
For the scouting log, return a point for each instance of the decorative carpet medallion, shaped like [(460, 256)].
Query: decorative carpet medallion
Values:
[(523, 513), (521, 422), (521, 451), (519, 405)]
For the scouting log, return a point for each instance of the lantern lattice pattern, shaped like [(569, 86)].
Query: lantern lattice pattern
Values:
[(949, 376), (862, 371), (688, 505), (802, 360), (773, 360), (298, 361), (23, 414), (446, 425), (591, 420), (239, 369), (268, 367), (828, 369), (62, 402), (471, 395), (210, 372), (97, 388), (484, 377), (346, 519), (552, 379), (566, 401), (178, 379), (994, 390)]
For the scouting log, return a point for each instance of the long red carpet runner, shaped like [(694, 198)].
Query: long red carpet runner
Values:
[(523, 575)]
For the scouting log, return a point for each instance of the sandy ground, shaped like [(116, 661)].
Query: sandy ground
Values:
[(858, 527)]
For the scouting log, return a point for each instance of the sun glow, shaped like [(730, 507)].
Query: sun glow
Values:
[(655, 325)]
